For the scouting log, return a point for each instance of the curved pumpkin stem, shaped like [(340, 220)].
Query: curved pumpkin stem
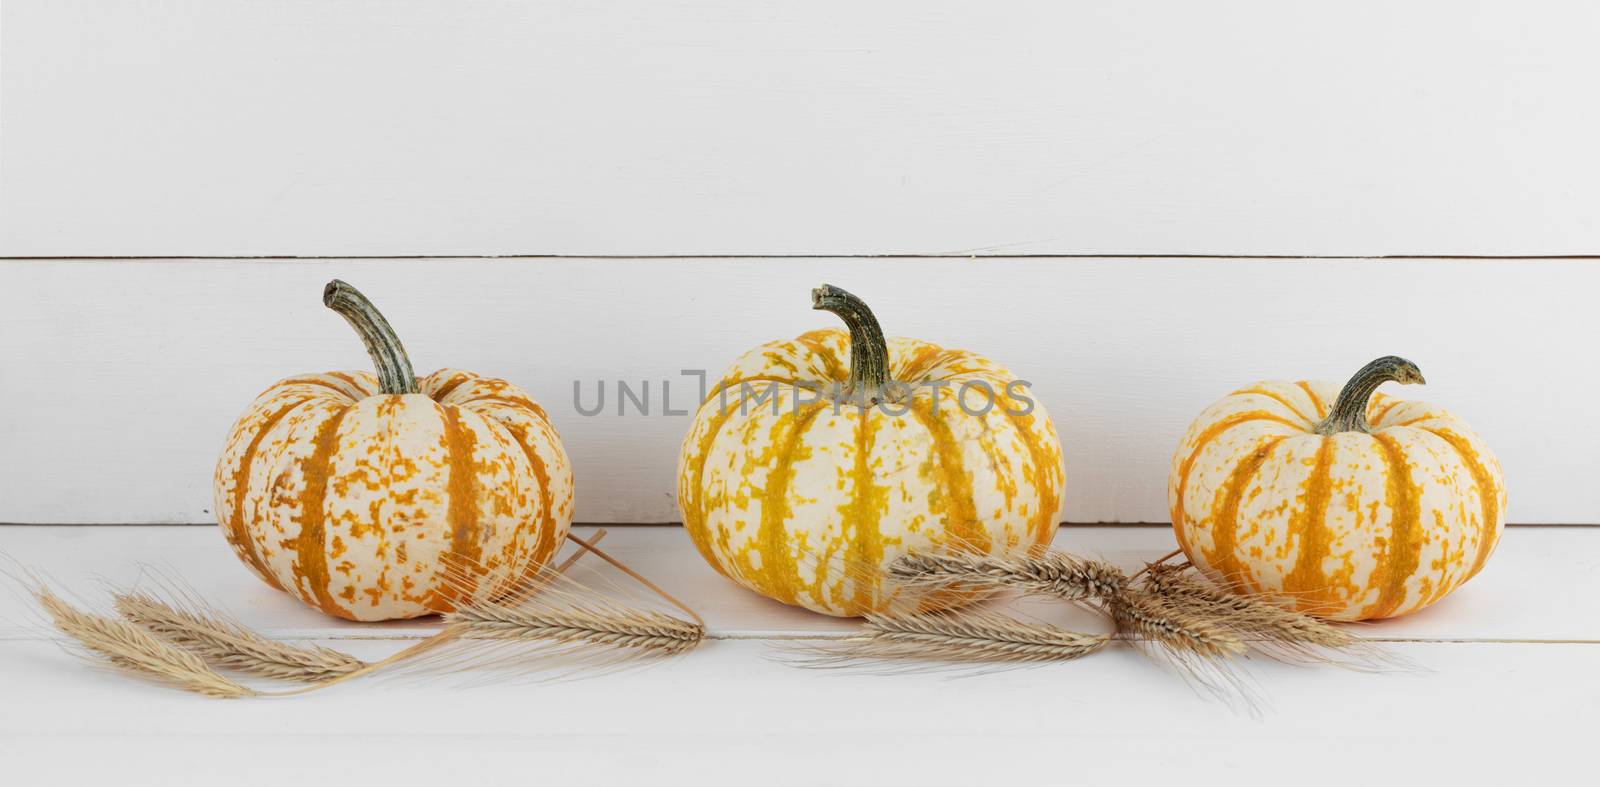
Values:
[(388, 357), (1349, 413), (869, 353)]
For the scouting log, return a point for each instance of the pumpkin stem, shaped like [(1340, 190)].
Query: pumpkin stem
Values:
[(1349, 412), (869, 353), (388, 357)]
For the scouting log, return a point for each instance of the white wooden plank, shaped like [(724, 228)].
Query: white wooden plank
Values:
[(1543, 583), (120, 379), (232, 127), (729, 714)]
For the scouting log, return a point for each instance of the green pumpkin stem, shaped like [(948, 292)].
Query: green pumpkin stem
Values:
[(869, 353), (388, 357), (1349, 413)]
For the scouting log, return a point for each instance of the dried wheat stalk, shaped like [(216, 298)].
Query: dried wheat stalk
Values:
[(972, 636), (1053, 573), (175, 641), (1281, 633), (596, 622), (1177, 628), (553, 619), (1061, 575), (132, 648), (1184, 617), (227, 644)]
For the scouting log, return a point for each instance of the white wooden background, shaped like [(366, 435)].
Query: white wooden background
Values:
[(121, 378), (1139, 154), (599, 127)]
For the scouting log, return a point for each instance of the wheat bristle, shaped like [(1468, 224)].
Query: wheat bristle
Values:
[(1276, 631), (1174, 627), (1053, 573), (132, 648), (612, 626), (968, 636), (227, 644)]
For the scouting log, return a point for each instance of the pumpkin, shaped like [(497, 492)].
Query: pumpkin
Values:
[(815, 462), (357, 493), (1334, 501)]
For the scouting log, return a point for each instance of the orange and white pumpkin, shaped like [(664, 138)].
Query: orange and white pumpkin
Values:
[(815, 462), (358, 493), (1336, 502)]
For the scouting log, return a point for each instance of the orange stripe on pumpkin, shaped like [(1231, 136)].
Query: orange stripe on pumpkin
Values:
[(1223, 556), (864, 553), (357, 390), (831, 368), (519, 402), (1309, 525), (1279, 398), (1377, 415), (466, 550), (1212, 432), (694, 513), (316, 380), (961, 524), (1043, 474), (548, 541), (1403, 548), (450, 385), (311, 564), (778, 563), (1487, 495), (1315, 401), (238, 532)]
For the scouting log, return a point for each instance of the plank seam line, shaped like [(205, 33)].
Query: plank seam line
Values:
[(807, 255)]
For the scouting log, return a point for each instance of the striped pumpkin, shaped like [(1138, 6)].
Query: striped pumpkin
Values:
[(355, 493), (817, 461), (1339, 503)]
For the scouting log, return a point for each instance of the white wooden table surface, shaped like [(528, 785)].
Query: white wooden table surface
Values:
[(1501, 684)]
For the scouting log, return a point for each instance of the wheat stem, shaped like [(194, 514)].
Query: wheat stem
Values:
[(591, 547)]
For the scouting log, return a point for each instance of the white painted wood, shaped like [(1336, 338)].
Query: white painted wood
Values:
[(728, 715), (119, 379), (1517, 708), (303, 127), (1542, 584)]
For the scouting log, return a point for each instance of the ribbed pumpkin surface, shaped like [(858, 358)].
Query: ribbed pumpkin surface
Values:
[(355, 501), (807, 505), (1350, 526)]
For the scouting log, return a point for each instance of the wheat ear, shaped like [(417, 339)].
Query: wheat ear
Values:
[(1281, 633), (1064, 576), (969, 636), (596, 622), (1053, 573), (225, 643), (1174, 627), (132, 648)]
